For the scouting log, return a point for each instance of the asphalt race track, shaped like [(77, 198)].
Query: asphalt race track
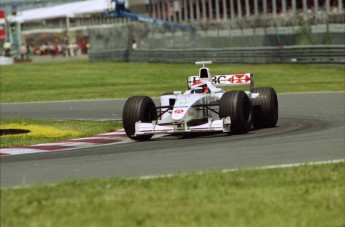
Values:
[(311, 128)]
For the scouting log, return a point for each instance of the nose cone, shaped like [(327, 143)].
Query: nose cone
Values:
[(179, 113), (182, 105)]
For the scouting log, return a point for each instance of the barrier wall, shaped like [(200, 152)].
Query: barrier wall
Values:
[(149, 37), (6, 60), (334, 54)]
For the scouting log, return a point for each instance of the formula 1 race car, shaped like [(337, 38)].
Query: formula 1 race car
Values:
[(204, 107)]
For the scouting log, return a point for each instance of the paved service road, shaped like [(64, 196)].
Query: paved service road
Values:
[(311, 128)]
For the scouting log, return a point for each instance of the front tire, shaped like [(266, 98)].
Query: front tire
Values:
[(138, 108), (265, 108), (237, 105)]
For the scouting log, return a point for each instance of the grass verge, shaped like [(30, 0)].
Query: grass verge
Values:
[(104, 80), (301, 196), (309, 195), (46, 131)]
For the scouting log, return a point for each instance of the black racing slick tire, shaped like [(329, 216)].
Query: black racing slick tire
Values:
[(138, 108), (265, 108), (237, 105)]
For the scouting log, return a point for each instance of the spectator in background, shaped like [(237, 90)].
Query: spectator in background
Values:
[(81, 46), (37, 51), (75, 49), (289, 11), (52, 50), (59, 48), (29, 50), (334, 7), (134, 45), (23, 51), (64, 49), (70, 50), (55, 50), (44, 49), (7, 48), (87, 47)]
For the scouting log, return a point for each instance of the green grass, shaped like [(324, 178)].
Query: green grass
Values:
[(84, 129), (84, 80), (310, 195), (301, 196)]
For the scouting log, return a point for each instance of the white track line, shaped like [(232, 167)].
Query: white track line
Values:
[(251, 168)]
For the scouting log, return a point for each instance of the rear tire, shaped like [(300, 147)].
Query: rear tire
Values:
[(237, 105), (138, 108), (265, 108)]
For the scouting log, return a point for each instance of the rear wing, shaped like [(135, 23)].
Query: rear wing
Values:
[(227, 80)]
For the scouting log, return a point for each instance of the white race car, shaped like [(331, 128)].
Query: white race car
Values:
[(204, 107)]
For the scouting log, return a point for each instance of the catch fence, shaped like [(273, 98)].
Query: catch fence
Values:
[(321, 54)]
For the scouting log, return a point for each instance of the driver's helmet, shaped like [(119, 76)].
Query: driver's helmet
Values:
[(199, 87)]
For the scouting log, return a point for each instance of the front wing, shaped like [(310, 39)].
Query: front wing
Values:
[(222, 125)]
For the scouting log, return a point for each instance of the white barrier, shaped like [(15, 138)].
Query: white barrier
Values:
[(6, 60)]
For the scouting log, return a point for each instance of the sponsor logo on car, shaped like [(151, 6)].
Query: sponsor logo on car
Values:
[(178, 111)]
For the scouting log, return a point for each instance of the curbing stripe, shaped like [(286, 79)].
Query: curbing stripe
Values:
[(116, 137), (95, 140), (18, 151), (45, 148)]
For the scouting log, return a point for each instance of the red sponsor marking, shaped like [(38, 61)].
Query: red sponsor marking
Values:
[(239, 76), (247, 79), (3, 154), (178, 111), (239, 79), (231, 79)]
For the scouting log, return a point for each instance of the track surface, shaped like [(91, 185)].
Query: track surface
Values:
[(311, 128)]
